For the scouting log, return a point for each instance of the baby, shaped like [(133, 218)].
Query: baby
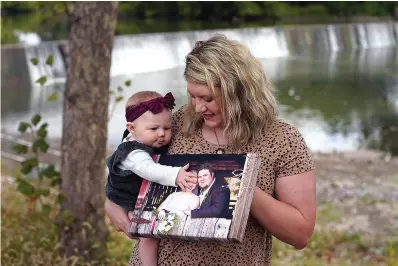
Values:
[(148, 116)]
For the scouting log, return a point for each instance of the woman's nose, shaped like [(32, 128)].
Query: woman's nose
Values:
[(199, 107)]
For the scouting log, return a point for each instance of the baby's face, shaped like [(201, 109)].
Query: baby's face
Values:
[(153, 130)]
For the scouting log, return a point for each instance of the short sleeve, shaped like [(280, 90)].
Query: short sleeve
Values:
[(294, 155)]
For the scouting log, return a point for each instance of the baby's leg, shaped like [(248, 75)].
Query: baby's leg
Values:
[(148, 250)]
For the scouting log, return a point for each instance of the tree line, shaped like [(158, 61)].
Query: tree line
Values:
[(228, 11)]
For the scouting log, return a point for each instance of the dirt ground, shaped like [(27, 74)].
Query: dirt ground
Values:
[(363, 188)]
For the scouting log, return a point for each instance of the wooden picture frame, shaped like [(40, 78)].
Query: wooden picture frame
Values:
[(219, 214)]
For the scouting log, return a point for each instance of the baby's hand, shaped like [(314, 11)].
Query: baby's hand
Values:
[(186, 180)]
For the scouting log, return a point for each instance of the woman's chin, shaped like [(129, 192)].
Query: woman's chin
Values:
[(212, 124)]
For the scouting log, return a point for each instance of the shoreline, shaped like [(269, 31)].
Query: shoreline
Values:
[(357, 155), (360, 155)]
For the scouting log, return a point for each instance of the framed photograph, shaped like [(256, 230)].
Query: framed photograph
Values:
[(216, 209)]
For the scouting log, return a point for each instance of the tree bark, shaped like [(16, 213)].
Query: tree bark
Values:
[(83, 230)]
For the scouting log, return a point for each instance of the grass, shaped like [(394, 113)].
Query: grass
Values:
[(332, 247), (33, 240)]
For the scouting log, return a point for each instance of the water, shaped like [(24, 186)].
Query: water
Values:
[(141, 53), (341, 97)]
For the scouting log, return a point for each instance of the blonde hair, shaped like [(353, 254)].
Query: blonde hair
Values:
[(142, 96), (247, 103)]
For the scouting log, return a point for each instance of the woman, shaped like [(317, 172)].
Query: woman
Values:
[(232, 109)]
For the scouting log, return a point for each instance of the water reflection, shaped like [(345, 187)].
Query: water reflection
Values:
[(339, 101)]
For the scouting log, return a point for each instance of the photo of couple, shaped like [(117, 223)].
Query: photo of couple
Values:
[(207, 210)]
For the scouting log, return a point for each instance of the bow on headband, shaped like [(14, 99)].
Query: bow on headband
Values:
[(155, 106)]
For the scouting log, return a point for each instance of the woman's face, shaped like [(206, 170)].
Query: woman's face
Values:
[(205, 104)]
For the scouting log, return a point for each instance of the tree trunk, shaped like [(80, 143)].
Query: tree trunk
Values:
[(83, 230)]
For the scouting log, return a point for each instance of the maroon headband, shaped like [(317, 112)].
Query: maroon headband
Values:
[(155, 106)]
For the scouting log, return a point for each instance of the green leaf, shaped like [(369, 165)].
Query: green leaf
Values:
[(50, 172), (34, 61), (20, 149), (60, 199), (66, 216), (25, 187), (53, 97), (119, 89), (128, 83), (26, 169), (42, 132), (44, 191), (96, 244), (50, 60), (46, 209), (36, 119), (111, 92), (42, 80), (22, 127), (40, 144), (119, 98), (27, 165), (55, 181)]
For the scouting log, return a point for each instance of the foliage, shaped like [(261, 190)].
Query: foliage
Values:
[(32, 239), (49, 19), (117, 96), (31, 169), (40, 182), (218, 11)]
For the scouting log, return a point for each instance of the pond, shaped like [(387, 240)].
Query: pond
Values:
[(340, 101)]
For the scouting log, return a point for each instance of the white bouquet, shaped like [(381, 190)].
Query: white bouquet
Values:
[(167, 221)]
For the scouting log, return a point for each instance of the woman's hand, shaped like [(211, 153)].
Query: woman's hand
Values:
[(118, 217)]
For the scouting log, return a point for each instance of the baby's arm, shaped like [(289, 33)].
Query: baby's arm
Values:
[(141, 163)]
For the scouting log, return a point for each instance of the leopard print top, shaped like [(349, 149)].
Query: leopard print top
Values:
[(283, 152)]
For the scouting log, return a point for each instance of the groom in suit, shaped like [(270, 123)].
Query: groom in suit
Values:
[(214, 198)]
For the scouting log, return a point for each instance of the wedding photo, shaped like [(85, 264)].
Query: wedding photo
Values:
[(207, 211)]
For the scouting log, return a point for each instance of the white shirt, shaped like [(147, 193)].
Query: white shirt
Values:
[(203, 194), (142, 164)]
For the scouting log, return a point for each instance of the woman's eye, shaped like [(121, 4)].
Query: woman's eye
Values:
[(208, 100), (154, 128)]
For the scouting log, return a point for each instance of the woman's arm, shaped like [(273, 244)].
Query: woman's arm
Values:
[(118, 217), (291, 216)]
